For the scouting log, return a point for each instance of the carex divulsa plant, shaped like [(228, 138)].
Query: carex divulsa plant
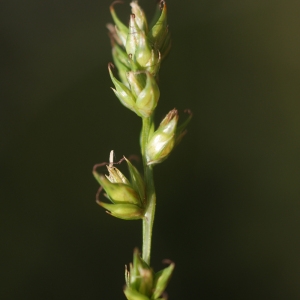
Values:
[(138, 51)]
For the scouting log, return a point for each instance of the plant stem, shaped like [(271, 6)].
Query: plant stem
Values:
[(150, 193)]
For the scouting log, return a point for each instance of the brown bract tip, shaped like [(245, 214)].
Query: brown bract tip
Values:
[(114, 3)]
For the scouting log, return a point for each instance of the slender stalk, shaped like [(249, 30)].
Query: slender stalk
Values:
[(148, 220)]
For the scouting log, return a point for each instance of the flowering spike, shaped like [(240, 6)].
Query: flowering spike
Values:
[(137, 52)]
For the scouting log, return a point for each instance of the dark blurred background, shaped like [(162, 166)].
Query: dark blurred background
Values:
[(228, 197)]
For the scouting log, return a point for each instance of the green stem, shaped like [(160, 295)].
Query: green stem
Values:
[(150, 193)]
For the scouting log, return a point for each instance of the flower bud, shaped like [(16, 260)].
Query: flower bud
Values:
[(143, 53), (139, 278), (147, 99), (127, 197), (142, 94), (162, 141), (166, 137), (142, 283), (147, 57)]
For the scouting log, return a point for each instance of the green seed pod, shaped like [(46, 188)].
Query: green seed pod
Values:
[(123, 211), (147, 100), (147, 57), (145, 89), (162, 141), (118, 193), (137, 82), (143, 52)]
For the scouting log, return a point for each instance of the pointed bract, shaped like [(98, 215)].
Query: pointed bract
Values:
[(133, 36), (137, 181), (139, 16), (161, 280), (121, 29), (181, 129), (159, 30), (122, 92)]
